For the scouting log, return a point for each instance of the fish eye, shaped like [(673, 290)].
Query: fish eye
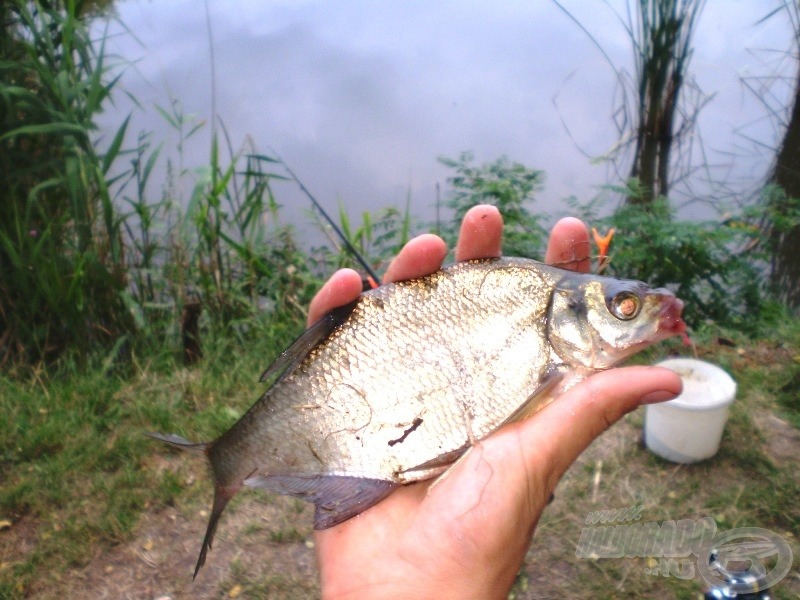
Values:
[(625, 306)]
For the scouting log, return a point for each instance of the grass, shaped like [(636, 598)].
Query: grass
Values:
[(81, 482), (752, 481), (76, 468), (96, 291), (272, 586), (60, 241)]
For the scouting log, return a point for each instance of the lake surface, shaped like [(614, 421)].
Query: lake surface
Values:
[(360, 98)]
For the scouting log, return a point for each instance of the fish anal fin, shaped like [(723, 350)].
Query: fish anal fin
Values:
[(308, 340), (337, 498), (222, 495)]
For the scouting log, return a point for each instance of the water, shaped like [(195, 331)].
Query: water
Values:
[(360, 98)]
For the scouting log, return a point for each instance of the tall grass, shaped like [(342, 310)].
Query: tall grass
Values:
[(222, 258), (61, 251), (661, 35), (658, 102), (377, 238), (94, 260)]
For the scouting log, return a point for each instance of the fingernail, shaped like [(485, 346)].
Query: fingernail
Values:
[(659, 396)]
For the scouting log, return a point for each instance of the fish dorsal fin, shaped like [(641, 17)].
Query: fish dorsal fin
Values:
[(336, 497), (308, 340)]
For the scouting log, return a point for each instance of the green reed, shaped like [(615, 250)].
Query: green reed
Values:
[(93, 259), (61, 251)]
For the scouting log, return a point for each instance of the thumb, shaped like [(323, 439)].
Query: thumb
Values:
[(561, 431)]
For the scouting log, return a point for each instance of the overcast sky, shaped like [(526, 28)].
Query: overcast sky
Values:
[(361, 97)]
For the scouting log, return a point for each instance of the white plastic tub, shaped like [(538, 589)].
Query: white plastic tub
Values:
[(689, 428)]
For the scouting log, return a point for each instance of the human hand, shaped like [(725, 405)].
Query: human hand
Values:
[(466, 534)]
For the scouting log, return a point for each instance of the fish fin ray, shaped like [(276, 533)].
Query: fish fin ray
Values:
[(222, 496), (443, 461), (307, 341), (336, 497), (177, 441), (534, 402)]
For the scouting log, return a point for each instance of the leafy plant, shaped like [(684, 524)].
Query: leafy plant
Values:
[(378, 238), (222, 260), (61, 255), (713, 266), (509, 186)]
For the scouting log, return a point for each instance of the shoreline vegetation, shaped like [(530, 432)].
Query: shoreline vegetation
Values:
[(125, 310)]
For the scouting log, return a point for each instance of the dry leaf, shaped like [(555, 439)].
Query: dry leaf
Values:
[(235, 591)]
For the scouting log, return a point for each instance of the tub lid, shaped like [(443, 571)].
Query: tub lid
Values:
[(705, 386)]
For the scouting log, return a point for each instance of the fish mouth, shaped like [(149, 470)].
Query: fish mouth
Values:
[(669, 316)]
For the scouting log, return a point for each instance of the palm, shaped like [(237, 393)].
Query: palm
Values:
[(467, 533)]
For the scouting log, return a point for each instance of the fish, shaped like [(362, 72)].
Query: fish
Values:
[(393, 388)]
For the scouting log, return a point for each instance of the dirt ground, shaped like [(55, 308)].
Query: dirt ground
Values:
[(158, 563), (264, 545)]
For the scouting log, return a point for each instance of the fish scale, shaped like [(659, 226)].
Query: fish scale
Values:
[(460, 406), (393, 388)]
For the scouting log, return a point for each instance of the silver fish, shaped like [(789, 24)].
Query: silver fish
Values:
[(394, 387)]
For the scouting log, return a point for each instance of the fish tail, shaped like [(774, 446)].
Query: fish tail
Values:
[(178, 442), (222, 496)]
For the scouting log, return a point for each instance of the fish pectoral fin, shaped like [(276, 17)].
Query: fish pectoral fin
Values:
[(437, 465), (308, 340), (538, 399), (336, 497)]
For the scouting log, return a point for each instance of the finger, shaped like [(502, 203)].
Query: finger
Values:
[(343, 287), (533, 454), (561, 431), (569, 245), (481, 233), (421, 256)]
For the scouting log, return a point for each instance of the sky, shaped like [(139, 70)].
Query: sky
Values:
[(360, 98)]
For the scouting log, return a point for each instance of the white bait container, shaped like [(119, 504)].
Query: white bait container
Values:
[(689, 428)]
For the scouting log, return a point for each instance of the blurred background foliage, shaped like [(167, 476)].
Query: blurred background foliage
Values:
[(109, 285), (97, 263)]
